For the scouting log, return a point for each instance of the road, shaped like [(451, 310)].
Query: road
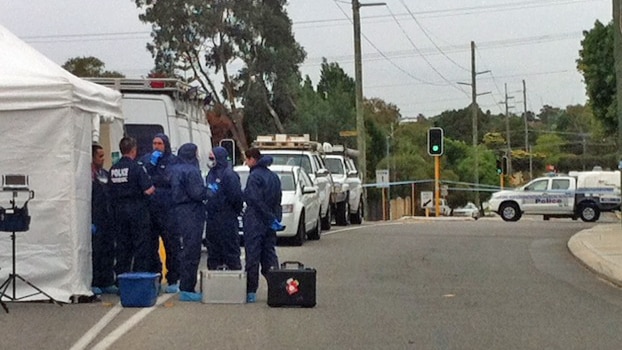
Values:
[(466, 284)]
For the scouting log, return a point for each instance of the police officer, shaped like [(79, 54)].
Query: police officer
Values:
[(262, 219), (158, 164), (130, 187), (223, 239), (188, 193), (102, 238)]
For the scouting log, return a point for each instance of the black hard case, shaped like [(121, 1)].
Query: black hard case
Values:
[(291, 286)]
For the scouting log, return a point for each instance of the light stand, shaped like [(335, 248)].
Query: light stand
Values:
[(17, 225)]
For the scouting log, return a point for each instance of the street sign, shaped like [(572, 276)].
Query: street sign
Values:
[(382, 178), (348, 133), (427, 199)]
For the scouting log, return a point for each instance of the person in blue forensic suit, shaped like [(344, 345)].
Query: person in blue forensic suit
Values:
[(102, 233), (188, 193), (262, 219), (158, 164), (221, 230), (130, 188)]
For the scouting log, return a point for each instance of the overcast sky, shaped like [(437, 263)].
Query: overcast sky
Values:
[(414, 51)]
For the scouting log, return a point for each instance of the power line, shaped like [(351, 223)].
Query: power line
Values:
[(424, 57), (382, 53), (512, 6), (425, 32)]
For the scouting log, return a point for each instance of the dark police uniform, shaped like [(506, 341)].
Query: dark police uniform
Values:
[(135, 243), (102, 232)]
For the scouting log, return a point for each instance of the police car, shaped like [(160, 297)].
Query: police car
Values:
[(582, 195)]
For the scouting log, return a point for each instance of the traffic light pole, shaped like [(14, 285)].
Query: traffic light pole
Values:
[(437, 176)]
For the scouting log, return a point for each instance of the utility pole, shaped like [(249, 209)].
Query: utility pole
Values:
[(358, 79), (525, 116), (617, 55), (507, 129), (474, 122), (474, 110)]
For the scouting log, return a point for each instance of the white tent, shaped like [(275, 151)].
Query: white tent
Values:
[(47, 121)]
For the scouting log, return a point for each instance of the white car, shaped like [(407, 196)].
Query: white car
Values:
[(469, 210), (348, 203), (300, 202)]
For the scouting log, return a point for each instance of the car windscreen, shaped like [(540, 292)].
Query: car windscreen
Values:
[(334, 166), (300, 160)]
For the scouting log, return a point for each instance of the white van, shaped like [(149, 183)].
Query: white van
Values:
[(152, 106)]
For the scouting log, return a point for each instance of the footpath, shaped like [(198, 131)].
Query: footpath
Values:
[(600, 250)]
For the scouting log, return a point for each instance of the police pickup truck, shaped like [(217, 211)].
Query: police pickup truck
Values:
[(579, 195)]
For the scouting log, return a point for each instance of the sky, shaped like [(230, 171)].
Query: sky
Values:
[(416, 53)]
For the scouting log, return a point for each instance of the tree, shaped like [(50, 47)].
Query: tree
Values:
[(596, 63), (89, 67), (208, 38)]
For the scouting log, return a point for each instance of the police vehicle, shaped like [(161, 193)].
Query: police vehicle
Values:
[(582, 195), (299, 150), (347, 203)]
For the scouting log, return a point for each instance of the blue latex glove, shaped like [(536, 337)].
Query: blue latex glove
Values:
[(213, 187), (93, 229), (277, 226), (155, 156)]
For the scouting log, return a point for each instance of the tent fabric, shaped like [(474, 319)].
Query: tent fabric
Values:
[(32, 81), (46, 127)]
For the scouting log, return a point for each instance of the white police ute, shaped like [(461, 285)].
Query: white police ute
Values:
[(582, 195)]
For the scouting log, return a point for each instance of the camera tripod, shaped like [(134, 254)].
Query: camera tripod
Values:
[(12, 279)]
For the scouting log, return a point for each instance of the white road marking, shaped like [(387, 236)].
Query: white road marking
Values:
[(92, 333)]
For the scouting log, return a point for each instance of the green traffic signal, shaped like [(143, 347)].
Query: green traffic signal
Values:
[(435, 141)]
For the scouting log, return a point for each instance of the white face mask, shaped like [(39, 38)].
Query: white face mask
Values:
[(211, 162)]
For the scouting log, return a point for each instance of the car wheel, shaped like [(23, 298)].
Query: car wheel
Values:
[(509, 212), (589, 212), (326, 220), (357, 218), (300, 236), (342, 213), (316, 233)]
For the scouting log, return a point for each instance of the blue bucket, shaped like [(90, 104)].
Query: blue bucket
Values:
[(139, 289)]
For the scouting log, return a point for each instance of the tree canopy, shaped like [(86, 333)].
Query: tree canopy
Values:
[(596, 63), (89, 67), (248, 45)]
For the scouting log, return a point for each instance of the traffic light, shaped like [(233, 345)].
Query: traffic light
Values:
[(435, 141), (229, 145), (499, 167), (504, 165)]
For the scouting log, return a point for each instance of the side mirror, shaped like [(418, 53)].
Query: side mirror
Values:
[(353, 173), (308, 190), (322, 172)]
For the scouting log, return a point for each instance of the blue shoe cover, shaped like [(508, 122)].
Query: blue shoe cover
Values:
[(172, 288), (110, 290), (251, 297), (190, 296), (97, 290)]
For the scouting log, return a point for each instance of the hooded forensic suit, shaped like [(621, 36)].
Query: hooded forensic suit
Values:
[(188, 194), (160, 205), (223, 240), (263, 206)]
